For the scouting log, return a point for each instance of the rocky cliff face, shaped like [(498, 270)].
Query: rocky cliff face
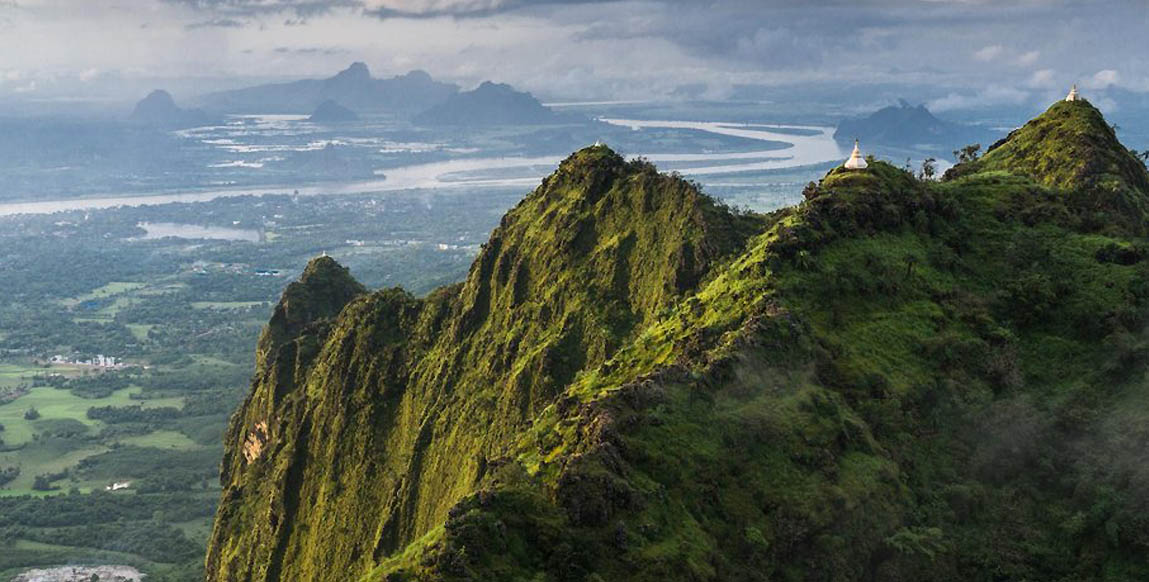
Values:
[(895, 380), (373, 414)]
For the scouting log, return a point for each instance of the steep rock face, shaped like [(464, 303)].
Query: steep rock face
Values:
[(375, 428), (895, 380)]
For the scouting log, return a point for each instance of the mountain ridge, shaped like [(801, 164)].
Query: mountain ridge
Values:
[(423, 341), (895, 380), (354, 87)]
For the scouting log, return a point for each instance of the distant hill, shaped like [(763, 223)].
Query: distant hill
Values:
[(353, 87), (490, 104), (159, 109), (331, 112), (906, 126)]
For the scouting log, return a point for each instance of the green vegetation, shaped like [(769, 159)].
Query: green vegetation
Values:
[(78, 528), (1071, 147), (184, 316), (895, 380)]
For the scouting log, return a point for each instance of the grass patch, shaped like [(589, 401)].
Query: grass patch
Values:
[(162, 439), (109, 290), (53, 403)]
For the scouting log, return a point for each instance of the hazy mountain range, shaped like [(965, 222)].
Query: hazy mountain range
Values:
[(353, 91), (353, 87)]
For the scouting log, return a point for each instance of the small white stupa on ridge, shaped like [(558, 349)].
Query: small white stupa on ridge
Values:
[(856, 161), (1073, 96)]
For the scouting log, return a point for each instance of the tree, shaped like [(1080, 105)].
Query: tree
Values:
[(929, 169), (967, 154), (811, 191), (909, 261), (1143, 156), (31, 414)]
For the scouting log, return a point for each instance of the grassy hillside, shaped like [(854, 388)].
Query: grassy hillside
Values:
[(1072, 148), (895, 380)]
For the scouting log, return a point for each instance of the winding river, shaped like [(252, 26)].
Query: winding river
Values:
[(809, 145)]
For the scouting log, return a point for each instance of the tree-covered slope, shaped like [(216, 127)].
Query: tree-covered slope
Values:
[(894, 380)]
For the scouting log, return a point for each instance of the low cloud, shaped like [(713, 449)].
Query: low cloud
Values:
[(1103, 79), (435, 7), (302, 8), (989, 53), (1029, 58), (215, 23), (311, 50), (990, 97), (972, 54), (1043, 79)]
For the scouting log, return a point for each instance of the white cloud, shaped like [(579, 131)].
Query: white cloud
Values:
[(1106, 104), (1103, 79), (1043, 79), (989, 97), (989, 53), (427, 7), (631, 49), (1029, 58)]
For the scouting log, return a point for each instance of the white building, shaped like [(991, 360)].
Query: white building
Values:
[(856, 161), (1073, 96)]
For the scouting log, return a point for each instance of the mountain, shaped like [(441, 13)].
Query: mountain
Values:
[(159, 109), (1072, 146), (353, 87), (895, 380), (907, 126), (490, 104), (331, 112)]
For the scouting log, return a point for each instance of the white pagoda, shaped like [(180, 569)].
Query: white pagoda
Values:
[(856, 161), (1073, 96)]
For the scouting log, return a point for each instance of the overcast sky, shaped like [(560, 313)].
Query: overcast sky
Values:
[(992, 51)]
